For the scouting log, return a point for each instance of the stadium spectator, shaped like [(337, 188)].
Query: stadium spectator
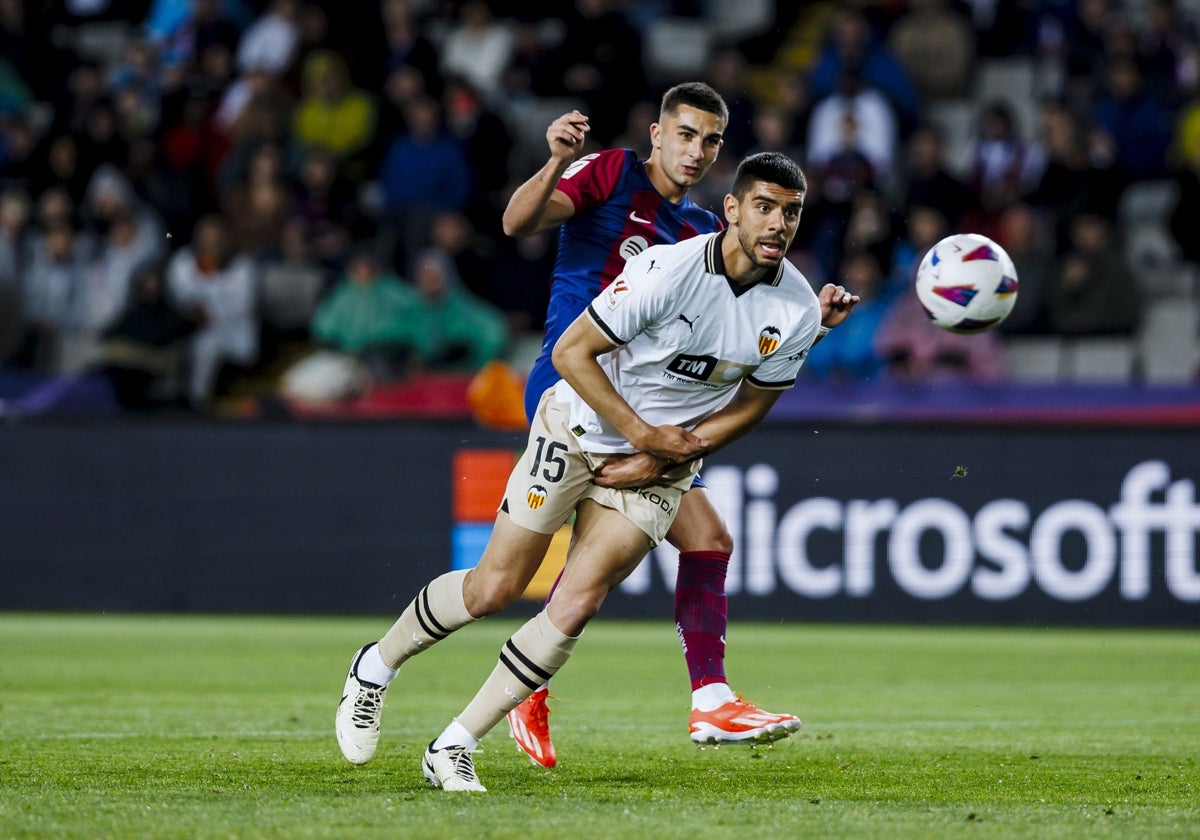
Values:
[(367, 315), (291, 284), (928, 180), (210, 278), (451, 329), (61, 166), (424, 171), (1092, 291), (848, 353), (936, 47), (15, 214), (1002, 168), (913, 349), (852, 46), (128, 234), (54, 276), (487, 143), (258, 205), (853, 118), (1187, 208), (140, 353), (270, 43), (599, 61), (325, 203), (332, 114), (18, 150), (406, 47), (1077, 174), (1136, 119), (477, 48), (727, 75), (1021, 232)]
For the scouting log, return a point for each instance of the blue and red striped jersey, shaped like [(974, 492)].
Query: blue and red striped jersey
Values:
[(618, 214)]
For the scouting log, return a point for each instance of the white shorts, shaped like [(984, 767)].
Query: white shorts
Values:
[(554, 475)]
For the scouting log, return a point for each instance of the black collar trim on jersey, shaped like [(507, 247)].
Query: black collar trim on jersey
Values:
[(715, 264)]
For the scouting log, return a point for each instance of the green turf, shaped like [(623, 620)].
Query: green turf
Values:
[(118, 726)]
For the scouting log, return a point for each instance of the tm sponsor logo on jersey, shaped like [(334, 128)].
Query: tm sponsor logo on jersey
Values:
[(708, 370)]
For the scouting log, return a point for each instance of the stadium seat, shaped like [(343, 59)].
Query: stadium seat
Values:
[(1151, 255), (1146, 202), (1169, 341), (677, 49), (1034, 358), (1012, 81), (956, 119), (527, 119), (746, 17), (1100, 360)]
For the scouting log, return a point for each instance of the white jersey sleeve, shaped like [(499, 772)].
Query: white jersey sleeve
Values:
[(781, 366), (639, 296)]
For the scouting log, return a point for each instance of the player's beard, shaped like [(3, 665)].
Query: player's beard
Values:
[(749, 244)]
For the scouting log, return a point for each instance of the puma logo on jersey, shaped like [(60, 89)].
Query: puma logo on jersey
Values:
[(691, 323)]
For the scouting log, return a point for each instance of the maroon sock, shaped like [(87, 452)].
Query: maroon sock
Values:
[(701, 614)]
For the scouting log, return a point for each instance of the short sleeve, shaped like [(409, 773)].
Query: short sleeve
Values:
[(781, 367), (589, 181), (637, 298)]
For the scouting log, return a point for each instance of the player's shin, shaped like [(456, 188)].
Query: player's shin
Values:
[(436, 612), (528, 659), (701, 614)]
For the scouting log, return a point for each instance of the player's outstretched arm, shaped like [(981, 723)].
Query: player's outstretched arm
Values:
[(575, 358), (537, 205)]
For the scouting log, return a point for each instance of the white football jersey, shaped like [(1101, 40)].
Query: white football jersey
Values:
[(688, 336)]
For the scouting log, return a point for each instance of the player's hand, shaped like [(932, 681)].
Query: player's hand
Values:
[(672, 444), (836, 304), (566, 135), (624, 472)]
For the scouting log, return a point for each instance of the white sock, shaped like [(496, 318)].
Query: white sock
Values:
[(455, 735), (711, 696), (371, 668)]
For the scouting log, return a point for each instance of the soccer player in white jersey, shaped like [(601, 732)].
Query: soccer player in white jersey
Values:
[(686, 351)]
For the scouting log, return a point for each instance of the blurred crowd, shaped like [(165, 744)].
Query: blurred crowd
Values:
[(200, 193)]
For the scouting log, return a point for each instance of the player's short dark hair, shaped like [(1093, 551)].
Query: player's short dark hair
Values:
[(772, 167), (698, 95)]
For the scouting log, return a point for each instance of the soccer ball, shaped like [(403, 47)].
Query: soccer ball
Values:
[(966, 283)]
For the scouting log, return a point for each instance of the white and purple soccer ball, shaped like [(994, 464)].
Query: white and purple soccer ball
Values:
[(966, 283)]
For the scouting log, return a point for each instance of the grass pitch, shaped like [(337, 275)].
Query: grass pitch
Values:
[(132, 726)]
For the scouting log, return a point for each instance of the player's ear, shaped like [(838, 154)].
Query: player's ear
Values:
[(655, 133), (731, 208)]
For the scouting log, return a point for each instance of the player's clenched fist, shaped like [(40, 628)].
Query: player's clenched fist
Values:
[(566, 135)]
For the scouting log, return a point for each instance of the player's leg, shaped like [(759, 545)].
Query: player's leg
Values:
[(445, 604), (538, 498), (605, 549), (701, 619)]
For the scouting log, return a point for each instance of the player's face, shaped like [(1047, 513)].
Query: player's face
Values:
[(686, 144), (766, 220)]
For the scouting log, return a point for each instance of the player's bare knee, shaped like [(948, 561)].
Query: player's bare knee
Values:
[(487, 594), (716, 538)]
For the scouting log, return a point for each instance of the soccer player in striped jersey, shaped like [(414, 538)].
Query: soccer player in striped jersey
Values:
[(645, 395), (610, 206)]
